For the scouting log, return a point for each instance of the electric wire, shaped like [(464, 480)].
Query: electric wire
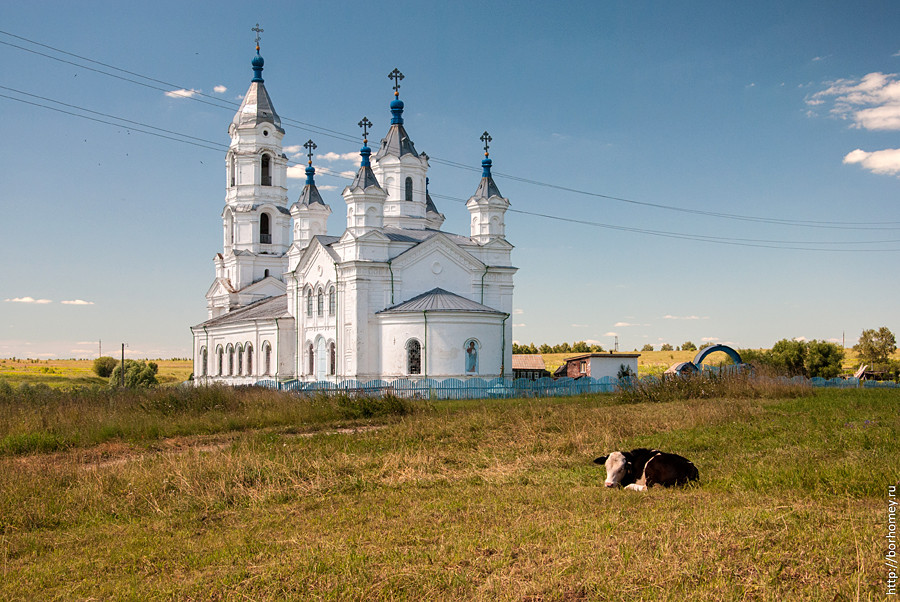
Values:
[(225, 104), (212, 145)]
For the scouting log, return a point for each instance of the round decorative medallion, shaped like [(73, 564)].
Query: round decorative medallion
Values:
[(436, 267)]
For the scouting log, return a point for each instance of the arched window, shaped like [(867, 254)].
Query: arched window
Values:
[(471, 355), (331, 358), (309, 302), (231, 171), (203, 359), (265, 273), (332, 301), (219, 360), (240, 360), (310, 359), (265, 233), (230, 353), (229, 228), (408, 191), (266, 171), (320, 303), (267, 357), (249, 351), (414, 357)]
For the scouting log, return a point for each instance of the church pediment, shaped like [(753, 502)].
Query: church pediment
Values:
[(219, 287), (316, 252), (267, 287), (439, 244)]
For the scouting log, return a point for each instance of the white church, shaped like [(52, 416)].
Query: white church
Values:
[(393, 297)]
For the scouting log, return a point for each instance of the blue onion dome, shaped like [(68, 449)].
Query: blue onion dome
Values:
[(486, 167), (397, 111), (257, 64)]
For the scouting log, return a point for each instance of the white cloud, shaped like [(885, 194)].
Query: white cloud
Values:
[(220, 89), (330, 156), (28, 300), (709, 339), (518, 312), (871, 103), (593, 342), (610, 334), (896, 53), (580, 325), (623, 324), (348, 174), (671, 317), (296, 172), (800, 339), (519, 325), (77, 302), (326, 187), (182, 93), (881, 162), (294, 148)]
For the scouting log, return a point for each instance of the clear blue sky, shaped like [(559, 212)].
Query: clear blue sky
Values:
[(786, 113)]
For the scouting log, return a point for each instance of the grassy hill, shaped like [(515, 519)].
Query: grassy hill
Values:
[(207, 494)]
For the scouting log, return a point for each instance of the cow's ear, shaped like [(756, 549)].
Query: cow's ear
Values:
[(601, 460)]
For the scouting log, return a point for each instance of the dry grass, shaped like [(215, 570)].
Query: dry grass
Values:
[(76, 373), (492, 500)]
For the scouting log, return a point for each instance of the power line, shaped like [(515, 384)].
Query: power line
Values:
[(225, 104), (212, 145)]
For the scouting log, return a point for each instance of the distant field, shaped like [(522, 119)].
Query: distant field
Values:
[(220, 494), (73, 373)]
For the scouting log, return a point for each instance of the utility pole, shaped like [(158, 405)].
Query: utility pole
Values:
[(100, 347), (122, 378)]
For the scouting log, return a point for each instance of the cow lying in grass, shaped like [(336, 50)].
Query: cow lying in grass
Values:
[(642, 468)]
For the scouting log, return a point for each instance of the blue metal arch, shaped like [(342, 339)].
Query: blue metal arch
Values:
[(698, 359)]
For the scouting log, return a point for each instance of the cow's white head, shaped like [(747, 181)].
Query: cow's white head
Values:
[(617, 467)]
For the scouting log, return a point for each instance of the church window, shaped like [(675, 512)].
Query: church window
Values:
[(471, 355), (203, 359), (266, 169), (219, 360), (231, 170), (249, 351), (331, 358), (265, 232), (266, 274), (414, 357), (320, 303), (240, 360), (267, 357), (310, 359), (408, 191), (332, 302), (309, 302), (230, 353)]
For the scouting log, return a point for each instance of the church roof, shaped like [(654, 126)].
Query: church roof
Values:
[(429, 204), (437, 299), (264, 309), (396, 143), (487, 188), (257, 107), (365, 177), (310, 196)]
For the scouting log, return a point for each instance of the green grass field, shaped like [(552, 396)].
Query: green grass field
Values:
[(257, 495), (78, 373)]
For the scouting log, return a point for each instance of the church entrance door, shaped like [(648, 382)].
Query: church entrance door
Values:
[(321, 359)]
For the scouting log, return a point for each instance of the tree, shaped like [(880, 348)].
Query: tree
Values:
[(545, 348), (705, 345), (580, 347), (103, 366), (688, 346), (647, 347), (596, 348), (666, 347), (789, 356), (823, 359), (876, 345), (137, 374)]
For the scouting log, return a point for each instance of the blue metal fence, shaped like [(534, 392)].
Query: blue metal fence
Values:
[(507, 388)]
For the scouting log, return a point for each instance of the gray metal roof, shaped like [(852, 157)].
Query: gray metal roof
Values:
[(365, 177), (410, 235), (310, 196), (265, 309), (257, 108), (429, 204), (396, 143), (437, 299), (487, 188)]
